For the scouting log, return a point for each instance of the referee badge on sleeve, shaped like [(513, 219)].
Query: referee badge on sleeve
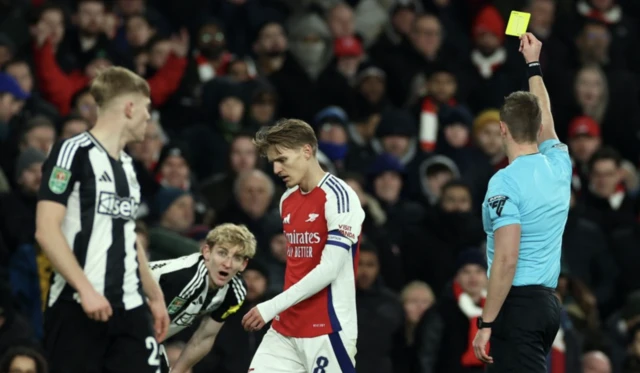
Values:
[(497, 203), (59, 180)]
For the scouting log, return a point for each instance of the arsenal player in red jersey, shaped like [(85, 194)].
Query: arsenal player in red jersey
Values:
[(315, 325)]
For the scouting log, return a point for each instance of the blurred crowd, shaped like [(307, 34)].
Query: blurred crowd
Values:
[(404, 98)]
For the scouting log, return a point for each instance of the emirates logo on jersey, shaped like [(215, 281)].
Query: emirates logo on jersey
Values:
[(302, 238)]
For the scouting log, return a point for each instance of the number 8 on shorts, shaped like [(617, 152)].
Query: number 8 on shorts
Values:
[(321, 363)]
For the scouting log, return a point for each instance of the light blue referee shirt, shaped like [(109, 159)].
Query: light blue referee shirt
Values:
[(533, 191)]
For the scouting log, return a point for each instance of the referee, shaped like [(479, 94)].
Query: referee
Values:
[(524, 214), (97, 317)]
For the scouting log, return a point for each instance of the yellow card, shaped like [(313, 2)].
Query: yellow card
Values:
[(518, 22)]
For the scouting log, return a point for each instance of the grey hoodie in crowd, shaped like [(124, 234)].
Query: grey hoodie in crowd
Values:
[(314, 57)]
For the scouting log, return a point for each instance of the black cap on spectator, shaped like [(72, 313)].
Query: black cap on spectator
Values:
[(454, 115), (369, 70), (174, 148), (331, 114), (471, 256), (165, 198), (396, 123), (385, 163), (27, 158)]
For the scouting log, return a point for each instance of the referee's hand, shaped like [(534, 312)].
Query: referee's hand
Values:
[(95, 305), (480, 345)]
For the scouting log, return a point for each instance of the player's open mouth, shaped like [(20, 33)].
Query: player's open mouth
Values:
[(223, 274)]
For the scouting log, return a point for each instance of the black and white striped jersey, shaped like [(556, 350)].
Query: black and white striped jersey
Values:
[(102, 196), (189, 295)]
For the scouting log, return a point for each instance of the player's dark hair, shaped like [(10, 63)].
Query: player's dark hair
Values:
[(522, 114), (456, 184), (605, 154), (286, 133), (9, 356)]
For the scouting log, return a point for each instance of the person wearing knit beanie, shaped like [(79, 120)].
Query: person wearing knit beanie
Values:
[(28, 169), (180, 219), (488, 35), (486, 132)]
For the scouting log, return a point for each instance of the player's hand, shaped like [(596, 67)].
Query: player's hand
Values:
[(253, 320), (160, 318), (530, 47), (95, 305), (480, 345)]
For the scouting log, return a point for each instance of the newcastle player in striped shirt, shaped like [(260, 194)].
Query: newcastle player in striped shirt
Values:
[(98, 318), (205, 286)]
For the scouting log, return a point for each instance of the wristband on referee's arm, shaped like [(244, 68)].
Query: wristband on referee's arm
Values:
[(534, 69)]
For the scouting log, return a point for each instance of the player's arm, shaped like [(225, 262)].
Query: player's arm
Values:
[(504, 214), (49, 217), (198, 346), (530, 47), (153, 291), (59, 174), (202, 340), (344, 222)]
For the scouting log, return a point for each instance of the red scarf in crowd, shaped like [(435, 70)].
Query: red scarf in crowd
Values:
[(472, 311), (429, 123), (611, 16)]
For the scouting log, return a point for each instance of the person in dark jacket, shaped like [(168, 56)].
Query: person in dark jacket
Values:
[(380, 316), (446, 331)]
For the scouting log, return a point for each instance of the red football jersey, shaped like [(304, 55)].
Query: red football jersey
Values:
[(329, 215)]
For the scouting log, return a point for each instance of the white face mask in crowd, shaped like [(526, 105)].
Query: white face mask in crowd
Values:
[(309, 52)]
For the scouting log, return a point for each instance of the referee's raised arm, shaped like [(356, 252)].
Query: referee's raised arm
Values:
[(530, 48)]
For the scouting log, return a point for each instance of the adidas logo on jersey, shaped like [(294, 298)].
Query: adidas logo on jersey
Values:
[(287, 219), (105, 177)]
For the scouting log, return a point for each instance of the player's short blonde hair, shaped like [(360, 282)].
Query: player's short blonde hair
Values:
[(117, 81), (233, 235), (287, 134)]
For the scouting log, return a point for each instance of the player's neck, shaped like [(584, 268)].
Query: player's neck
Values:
[(110, 134), (312, 178), (516, 150)]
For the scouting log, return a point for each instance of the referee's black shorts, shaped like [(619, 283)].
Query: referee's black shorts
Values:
[(76, 344), (524, 330)]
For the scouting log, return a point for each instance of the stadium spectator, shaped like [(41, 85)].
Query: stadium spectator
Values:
[(23, 360), (445, 333), (379, 332)]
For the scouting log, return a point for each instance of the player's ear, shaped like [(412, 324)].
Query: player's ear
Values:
[(128, 109), (244, 264), (206, 251), (307, 151), (503, 129)]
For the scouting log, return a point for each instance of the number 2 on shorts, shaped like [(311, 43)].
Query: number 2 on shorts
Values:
[(321, 363), (153, 360)]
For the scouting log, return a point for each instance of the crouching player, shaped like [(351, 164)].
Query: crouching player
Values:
[(204, 284)]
